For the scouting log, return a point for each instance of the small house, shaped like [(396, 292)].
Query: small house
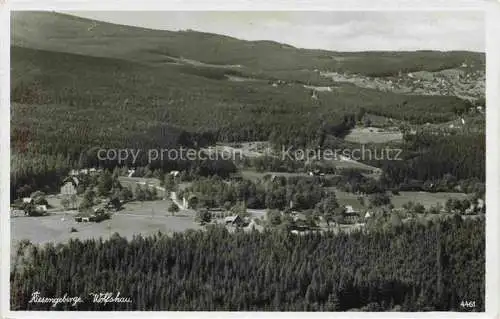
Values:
[(69, 185), (480, 203), (350, 215), (68, 189), (99, 210), (190, 202), (299, 217), (113, 203), (41, 209), (315, 172), (314, 95), (174, 173), (131, 172), (233, 220), (349, 209)]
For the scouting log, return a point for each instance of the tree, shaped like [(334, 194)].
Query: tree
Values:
[(380, 199), (40, 200), (339, 215), (88, 200), (333, 303), (395, 220), (104, 183), (434, 210), (203, 216), (169, 183), (361, 200), (115, 203), (409, 205), (361, 113), (465, 204), (73, 199), (367, 122), (37, 194), (227, 205), (239, 209), (327, 206), (125, 194), (140, 193), (65, 202), (449, 205), (24, 191), (312, 219), (28, 209), (273, 217), (419, 208), (173, 208), (154, 193)]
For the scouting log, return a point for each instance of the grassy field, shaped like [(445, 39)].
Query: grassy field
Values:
[(136, 218), (254, 175), (345, 198), (424, 198), (365, 135)]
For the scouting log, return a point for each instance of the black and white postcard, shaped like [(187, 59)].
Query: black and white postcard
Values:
[(254, 161)]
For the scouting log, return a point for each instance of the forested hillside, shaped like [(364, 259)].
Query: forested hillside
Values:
[(126, 87), (68, 93)]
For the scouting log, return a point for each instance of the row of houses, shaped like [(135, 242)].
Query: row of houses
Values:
[(30, 201), (85, 171), (100, 212)]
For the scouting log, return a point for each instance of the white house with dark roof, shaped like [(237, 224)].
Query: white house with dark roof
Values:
[(233, 220), (69, 186)]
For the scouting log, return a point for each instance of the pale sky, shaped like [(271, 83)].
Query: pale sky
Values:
[(338, 31)]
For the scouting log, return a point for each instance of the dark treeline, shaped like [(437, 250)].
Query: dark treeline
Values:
[(438, 162), (269, 192), (37, 171), (404, 268)]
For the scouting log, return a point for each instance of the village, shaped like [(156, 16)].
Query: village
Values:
[(144, 206), (464, 82)]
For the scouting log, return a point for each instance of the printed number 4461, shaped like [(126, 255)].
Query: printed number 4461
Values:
[(468, 304)]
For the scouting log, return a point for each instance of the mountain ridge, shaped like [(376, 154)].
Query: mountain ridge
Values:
[(67, 33)]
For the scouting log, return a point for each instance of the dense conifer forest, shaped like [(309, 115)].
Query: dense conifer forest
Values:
[(410, 267)]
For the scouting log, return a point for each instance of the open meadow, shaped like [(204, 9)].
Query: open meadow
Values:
[(425, 198), (135, 218), (365, 135)]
